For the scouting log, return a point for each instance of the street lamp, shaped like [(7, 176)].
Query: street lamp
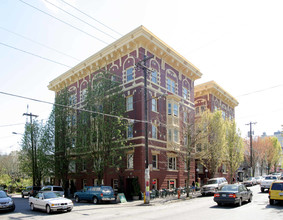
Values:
[(206, 171), (197, 170)]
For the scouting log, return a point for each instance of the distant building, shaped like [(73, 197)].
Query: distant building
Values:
[(210, 96)]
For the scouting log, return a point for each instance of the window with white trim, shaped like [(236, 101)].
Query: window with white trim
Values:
[(154, 76), (176, 109), (130, 131), (72, 99), (129, 103), (171, 85), (154, 161), (72, 166), (83, 95), (169, 135), (130, 74), (154, 131), (130, 161), (154, 104), (176, 135), (169, 110), (172, 163), (185, 93)]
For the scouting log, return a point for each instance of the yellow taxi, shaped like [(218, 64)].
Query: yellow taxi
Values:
[(276, 192)]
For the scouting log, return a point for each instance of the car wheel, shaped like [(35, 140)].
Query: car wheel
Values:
[(94, 200), (219, 204), (23, 196), (69, 210), (48, 209), (271, 201), (240, 202), (250, 198), (13, 209), (262, 190), (32, 207), (77, 199)]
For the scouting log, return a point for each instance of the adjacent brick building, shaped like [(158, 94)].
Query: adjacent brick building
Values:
[(170, 102), (210, 96)]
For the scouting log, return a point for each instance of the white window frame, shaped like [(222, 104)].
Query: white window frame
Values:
[(154, 76), (175, 109), (130, 161), (72, 166), (176, 136), (130, 131), (172, 163), (185, 93), (130, 74), (130, 103), (154, 131), (169, 109), (155, 166), (154, 104), (171, 85)]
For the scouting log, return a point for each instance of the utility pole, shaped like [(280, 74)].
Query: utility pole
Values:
[(251, 145), (33, 149), (143, 66)]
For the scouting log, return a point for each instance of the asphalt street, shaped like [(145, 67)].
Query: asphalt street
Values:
[(198, 208)]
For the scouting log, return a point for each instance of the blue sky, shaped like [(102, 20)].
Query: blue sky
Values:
[(236, 43)]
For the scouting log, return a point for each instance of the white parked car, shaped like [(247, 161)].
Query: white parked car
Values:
[(213, 185), (266, 183), (50, 202)]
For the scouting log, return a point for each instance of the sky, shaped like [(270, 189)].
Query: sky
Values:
[(238, 44)]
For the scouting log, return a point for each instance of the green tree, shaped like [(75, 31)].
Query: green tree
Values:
[(100, 139), (213, 150), (64, 125), (235, 149)]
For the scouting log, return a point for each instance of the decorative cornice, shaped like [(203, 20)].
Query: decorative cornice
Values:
[(140, 37), (213, 88)]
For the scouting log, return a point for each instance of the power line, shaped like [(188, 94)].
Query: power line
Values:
[(38, 43), (64, 22), (91, 17), (262, 90), (44, 58), (80, 19), (2, 126)]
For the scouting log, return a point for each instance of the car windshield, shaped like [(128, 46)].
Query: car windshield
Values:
[(50, 195), (106, 189), (250, 178), (3, 194), (270, 178), (211, 182), (230, 188)]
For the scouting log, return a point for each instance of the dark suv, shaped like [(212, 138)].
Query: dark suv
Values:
[(30, 191)]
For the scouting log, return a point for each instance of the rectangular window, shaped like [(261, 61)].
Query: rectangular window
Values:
[(185, 93), (169, 135), (176, 135), (83, 166), (203, 108), (72, 166), (176, 110), (154, 131), (130, 74), (72, 99), (83, 95), (154, 162), (130, 131), (169, 109), (154, 76), (154, 105), (172, 165), (129, 103), (185, 117), (130, 161), (171, 85)]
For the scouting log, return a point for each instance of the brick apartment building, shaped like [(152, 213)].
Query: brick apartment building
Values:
[(210, 96), (170, 100)]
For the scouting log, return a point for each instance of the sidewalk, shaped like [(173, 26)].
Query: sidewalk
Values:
[(161, 201)]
